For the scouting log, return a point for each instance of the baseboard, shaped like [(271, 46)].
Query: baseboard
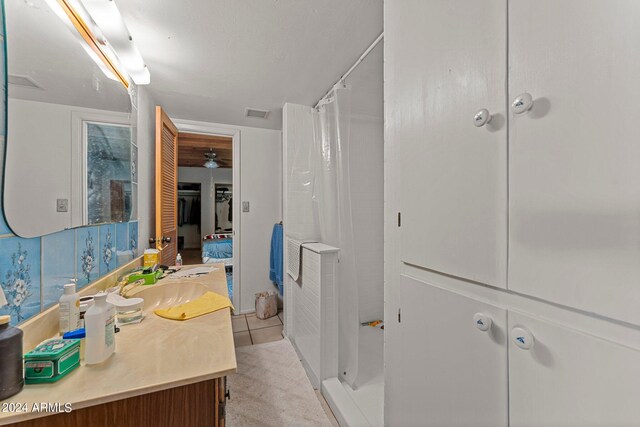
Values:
[(315, 381)]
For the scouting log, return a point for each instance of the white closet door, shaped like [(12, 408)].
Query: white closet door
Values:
[(449, 372), (569, 379), (574, 158), (445, 61)]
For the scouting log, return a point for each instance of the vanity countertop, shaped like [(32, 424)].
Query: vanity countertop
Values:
[(154, 355)]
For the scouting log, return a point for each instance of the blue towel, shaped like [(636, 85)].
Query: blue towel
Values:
[(230, 284), (277, 255)]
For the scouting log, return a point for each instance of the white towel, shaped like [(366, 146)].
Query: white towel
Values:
[(293, 258)]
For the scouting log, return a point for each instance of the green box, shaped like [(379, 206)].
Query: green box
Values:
[(52, 360)]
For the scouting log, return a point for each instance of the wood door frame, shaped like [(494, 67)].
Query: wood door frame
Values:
[(234, 133)]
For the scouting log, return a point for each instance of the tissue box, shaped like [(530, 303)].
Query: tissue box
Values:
[(151, 257), (52, 360)]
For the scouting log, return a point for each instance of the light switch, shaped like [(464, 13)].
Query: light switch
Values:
[(62, 205), (245, 206)]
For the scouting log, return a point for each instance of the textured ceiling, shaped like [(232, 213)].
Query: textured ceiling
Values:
[(210, 59)]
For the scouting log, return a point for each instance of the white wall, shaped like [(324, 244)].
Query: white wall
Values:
[(261, 186), (47, 129), (145, 139), (366, 181), (203, 176), (260, 176)]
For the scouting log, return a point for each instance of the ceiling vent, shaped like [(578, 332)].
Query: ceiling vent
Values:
[(258, 114), (24, 81)]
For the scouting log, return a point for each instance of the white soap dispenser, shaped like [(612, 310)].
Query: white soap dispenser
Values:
[(99, 321), (69, 309)]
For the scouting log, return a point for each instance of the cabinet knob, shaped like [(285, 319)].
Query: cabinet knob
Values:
[(481, 118), (482, 321), (522, 103), (522, 337)]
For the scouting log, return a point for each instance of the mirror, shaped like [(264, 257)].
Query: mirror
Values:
[(69, 148)]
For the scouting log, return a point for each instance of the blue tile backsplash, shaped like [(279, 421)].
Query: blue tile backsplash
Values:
[(34, 271), (87, 246), (58, 264), (107, 253), (20, 277), (123, 254)]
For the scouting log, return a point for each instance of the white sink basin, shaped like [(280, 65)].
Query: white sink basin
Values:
[(168, 295)]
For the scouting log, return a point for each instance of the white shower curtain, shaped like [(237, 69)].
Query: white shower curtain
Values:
[(332, 207), (335, 181)]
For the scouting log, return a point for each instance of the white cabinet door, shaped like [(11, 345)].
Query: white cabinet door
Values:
[(449, 372), (569, 378), (574, 158), (445, 61)]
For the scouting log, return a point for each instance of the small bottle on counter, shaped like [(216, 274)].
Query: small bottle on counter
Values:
[(100, 338), (69, 309), (11, 379), (85, 303), (179, 260)]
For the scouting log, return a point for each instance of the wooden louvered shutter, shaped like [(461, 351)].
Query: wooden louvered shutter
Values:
[(166, 187)]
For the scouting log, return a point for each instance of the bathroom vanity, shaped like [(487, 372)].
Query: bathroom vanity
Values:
[(164, 372)]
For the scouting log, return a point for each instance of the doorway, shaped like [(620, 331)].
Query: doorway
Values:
[(206, 225), (189, 221)]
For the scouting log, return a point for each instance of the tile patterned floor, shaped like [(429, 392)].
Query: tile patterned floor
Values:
[(249, 330)]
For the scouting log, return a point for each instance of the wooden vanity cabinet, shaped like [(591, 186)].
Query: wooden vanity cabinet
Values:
[(200, 404)]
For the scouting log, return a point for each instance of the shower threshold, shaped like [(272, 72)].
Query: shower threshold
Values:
[(355, 408)]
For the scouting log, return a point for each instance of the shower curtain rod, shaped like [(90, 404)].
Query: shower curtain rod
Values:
[(353, 67)]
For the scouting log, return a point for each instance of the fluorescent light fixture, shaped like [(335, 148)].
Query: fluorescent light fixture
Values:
[(75, 16), (107, 17), (106, 38)]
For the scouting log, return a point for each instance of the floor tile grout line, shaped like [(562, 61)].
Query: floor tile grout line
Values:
[(265, 327)]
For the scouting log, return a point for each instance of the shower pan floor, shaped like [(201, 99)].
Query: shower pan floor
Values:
[(365, 404), (370, 400)]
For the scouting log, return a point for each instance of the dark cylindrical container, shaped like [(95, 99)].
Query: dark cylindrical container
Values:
[(11, 376)]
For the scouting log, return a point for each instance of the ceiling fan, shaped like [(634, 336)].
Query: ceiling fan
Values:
[(210, 158)]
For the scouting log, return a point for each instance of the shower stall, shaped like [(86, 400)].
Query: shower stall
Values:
[(333, 194)]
